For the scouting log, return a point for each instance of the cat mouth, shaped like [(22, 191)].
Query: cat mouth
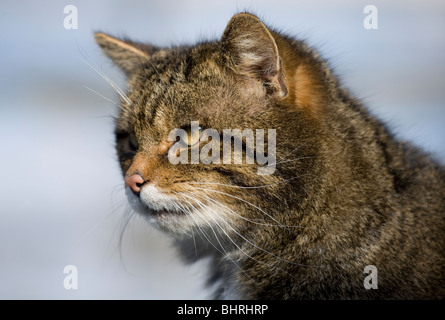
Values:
[(154, 203), (163, 213), (157, 204), (159, 210), (173, 214)]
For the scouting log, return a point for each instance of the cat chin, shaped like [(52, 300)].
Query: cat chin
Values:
[(156, 213), (156, 200)]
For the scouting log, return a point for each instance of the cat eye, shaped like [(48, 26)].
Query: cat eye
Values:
[(134, 145), (193, 136)]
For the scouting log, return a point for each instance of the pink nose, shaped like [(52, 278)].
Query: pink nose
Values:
[(134, 182)]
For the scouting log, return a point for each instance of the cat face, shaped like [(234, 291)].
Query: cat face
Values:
[(240, 82)]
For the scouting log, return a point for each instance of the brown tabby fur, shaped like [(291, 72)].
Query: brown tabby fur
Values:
[(345, 193)]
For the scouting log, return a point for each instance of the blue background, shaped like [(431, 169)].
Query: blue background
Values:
[(61, 193)]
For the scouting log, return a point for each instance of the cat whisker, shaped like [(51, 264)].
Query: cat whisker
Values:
[(235, 213), (244, 187), (251, 243), (289, 160), (118, 187), (124, 225), (278, 224), (204, 233), (293, 150), (119, 205), (111, 83), (182, 209), (247, 202), (154, 68), (253, 221), (259, 248), (207, 208), (197, 212), (102, 96), (194, 241), (117, 89), (104, 116)]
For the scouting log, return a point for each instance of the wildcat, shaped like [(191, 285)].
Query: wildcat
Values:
[(345, 193)]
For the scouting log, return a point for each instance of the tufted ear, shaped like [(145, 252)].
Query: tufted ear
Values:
[(250, 50), (126, 54)]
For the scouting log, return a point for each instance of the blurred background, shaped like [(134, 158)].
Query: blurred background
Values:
[(62, 196)]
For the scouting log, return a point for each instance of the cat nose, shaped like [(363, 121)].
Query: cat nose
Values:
[(134, 182)]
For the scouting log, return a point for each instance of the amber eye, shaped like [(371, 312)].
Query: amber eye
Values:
[(194, 136), (133, 142)]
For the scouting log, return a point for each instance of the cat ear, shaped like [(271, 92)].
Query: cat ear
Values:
[(251, 50), (126, 54)]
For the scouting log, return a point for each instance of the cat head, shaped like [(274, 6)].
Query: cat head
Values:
[(252, 79)]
